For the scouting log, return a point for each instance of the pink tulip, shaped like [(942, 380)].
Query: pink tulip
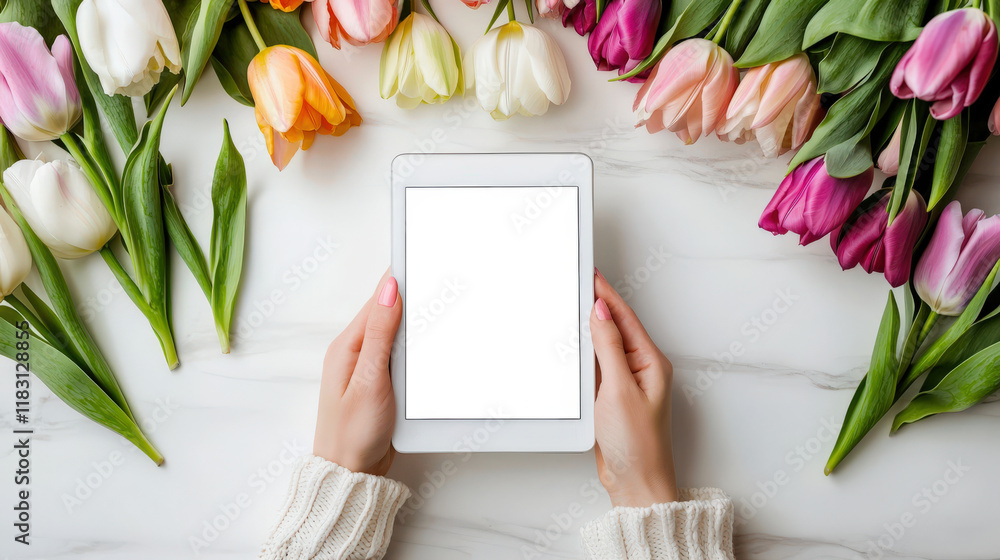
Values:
[(688, 90), (582, 16), (949, 63), (548, 8), (958, 259), (359, 22), (877, 246), (994, 122), (811, 203), (777, 105), (38, 96), (474, 4), (624, 36), (888, 160)]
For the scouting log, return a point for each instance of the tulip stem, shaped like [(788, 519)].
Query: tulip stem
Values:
[(921, 327), (727, 18), (510, 11), (254, 32)]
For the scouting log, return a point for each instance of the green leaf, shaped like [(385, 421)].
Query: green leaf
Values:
[(780, 33), (849, 61), (73, 386), (32, 13), (185, 243), (744, 26), (853, 112), (954, 136), (10, 152), (878, 20), (161, 89), (918, 128), (875, 394), (205, 31), (236, 85), (47, 321), (687, 18), (229, 206), (972, 381), (58, 292), (600, 5), (117, 109), (501, 5), (850, 158)]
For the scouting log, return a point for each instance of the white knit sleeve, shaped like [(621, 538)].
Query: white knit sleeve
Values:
[(331, 513), (699, 527)]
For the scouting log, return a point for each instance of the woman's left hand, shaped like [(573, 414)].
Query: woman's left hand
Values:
[(357, 409)]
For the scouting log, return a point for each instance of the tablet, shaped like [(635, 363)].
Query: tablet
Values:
[(494, 258)]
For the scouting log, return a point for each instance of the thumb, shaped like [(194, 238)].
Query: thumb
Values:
[(608, 345), (380, 333)]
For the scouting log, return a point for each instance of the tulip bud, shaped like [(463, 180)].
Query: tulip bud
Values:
[(549, 8), (581, 16), (420, 63), (624, 36), (285, 5), (959, 257), (811, 203), (888, 160), (359, 23), (994, 122), (474, 4), (38, 96), (15, 258), (516, 68), (949, 63), (127, 43), (867, 239), (777, 105), (295, 99), (688, 90), (60, 205)]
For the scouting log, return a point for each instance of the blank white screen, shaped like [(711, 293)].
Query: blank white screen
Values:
[(492, 308)]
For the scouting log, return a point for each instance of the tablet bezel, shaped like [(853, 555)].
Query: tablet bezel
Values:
[(416, 170)]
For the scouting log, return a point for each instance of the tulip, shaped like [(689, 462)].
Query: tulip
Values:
[(811, 203), (777, 105), (688, 90), (285, 5), (877, 246), (127, 43), (624, 36), (516, 68), (474, 4), (994, 122), (551, 8), (15, 259), (295, 99), (582, 16), (420, 63), (949, 63), (38, 96), (888, 160), (61, 206), (358, 22), (959, 257)]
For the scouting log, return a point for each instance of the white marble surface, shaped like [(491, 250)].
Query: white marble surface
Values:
[(319, 240)]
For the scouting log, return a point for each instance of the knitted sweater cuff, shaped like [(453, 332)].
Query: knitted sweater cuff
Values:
[(331, 513), (699, 527)]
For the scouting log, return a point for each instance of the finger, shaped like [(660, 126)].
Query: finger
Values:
[(380, 332), (342, 354), (634, 335), (608, 346)]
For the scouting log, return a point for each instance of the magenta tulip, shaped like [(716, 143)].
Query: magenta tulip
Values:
[(582, 17), (811, 203), (878, 247), (624, 35), (958, 259), (38, 96), (949, 63)]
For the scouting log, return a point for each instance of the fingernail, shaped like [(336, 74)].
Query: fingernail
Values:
[(603, 313), (388, 296), (599, 275)]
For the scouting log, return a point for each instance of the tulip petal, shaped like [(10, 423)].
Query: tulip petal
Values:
[(941, 255)]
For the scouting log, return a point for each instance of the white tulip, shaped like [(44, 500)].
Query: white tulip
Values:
[(517, 68), (60, 205), (15, 259), (127, 43)]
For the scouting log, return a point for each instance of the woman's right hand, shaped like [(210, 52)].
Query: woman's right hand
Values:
[(632, 412)]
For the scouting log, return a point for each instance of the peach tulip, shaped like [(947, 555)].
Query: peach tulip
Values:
[(888, 160), (296, 99), (285, 5), (776, 104), (688, 90), (358, 22)]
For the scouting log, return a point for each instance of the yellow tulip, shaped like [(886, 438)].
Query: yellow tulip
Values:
[(284, 5), (295, 99), (420, 63)]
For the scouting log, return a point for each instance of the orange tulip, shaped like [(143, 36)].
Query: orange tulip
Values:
[(296, 99), (285, 5)]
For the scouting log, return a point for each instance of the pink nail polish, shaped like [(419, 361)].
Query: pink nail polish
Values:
[(603, 313), (387, 298), (599, 275)]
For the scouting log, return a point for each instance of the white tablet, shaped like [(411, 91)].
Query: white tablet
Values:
[(494, 258)]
